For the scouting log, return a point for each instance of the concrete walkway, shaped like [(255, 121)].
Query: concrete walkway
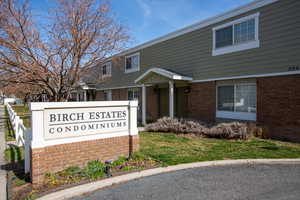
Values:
[(3, 193)]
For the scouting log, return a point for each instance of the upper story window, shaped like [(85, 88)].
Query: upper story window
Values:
[(244, 32), (132, 63), (106, 69), (237, 35)]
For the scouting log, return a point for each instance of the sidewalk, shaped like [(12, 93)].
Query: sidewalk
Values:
[(3, 179)]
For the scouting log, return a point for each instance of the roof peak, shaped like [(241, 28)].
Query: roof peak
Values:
[(203, 23)]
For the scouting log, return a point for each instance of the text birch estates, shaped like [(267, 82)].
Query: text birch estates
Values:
[(62, 123)]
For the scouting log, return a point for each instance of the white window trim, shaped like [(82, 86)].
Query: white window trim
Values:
[(133, 90), (234, 115), (110, 70), (237, 47), (134, 69)]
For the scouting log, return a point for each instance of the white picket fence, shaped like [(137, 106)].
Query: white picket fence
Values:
[(23, 135)]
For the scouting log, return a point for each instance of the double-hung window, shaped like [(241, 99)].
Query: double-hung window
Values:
[(133, 94), (237, 101), (106, 69), (107, 95), (237, 35), (132, 63)]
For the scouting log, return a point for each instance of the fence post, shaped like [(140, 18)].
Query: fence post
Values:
[(23, 135), (27, 150), (17, 132)]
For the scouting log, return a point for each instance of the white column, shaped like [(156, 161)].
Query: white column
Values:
[(84, 95), (133, 130), (77, 96), (171, 99), (37, 125), (144, 105)]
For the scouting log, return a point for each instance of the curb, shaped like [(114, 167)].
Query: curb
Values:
[(90, 187)]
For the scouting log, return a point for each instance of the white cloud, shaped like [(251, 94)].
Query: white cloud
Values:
[(173, 13), (145, 7), (164, 16)]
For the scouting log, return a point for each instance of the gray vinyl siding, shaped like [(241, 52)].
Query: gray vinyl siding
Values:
[(191, 54)]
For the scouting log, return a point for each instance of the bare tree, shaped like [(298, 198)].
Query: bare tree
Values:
[(22, 91), (80, 34)]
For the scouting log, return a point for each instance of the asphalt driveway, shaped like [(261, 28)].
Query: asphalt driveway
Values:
[(210, 183)]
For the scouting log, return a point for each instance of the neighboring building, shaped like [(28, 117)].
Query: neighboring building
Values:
[(2, 96), (242, 65), (9, 100)]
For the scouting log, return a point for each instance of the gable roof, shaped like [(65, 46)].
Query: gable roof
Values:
[(165, 73), (213, 20)]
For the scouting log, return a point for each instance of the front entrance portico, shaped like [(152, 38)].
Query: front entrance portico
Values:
[(159, 77)]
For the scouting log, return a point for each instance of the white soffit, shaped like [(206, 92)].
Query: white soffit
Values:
[(165, 73)]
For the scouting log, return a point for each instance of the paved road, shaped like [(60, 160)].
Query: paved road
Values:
[(2, 161), (247, 182)]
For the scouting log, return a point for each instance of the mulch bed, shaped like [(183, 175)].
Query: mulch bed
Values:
[(25, 191)]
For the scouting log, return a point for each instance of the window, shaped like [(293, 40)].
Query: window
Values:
[(107, 95), (237, 101), (226, 98), (224, 37), (244, 32), (238, 35), (106, 69), (132, 63), (133, 94)]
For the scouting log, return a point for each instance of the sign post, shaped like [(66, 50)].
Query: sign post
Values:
[(65, 134)]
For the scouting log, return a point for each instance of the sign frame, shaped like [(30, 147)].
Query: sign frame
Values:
[(39, 110)]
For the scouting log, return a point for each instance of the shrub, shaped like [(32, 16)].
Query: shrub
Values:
[(94, 169), (231, 130), (139, 156), (51, 179), (71, 172), (121, 160), (167, 124)]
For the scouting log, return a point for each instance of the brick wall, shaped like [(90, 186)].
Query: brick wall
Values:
[(202, 101), (152, 106), (99, 96), (119, 94), (59, 157), (278, 106)]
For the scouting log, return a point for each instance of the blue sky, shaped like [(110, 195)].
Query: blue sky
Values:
[(149, 19)]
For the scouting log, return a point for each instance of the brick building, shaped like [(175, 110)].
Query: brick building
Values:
[(243, 64)]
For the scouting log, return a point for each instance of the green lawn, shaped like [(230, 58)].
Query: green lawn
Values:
[(23, 111), (14, 154), (172, 149), (162, 149), (9, 133)]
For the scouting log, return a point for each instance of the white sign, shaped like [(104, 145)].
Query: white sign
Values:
[(55, 123), (73, 122)]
